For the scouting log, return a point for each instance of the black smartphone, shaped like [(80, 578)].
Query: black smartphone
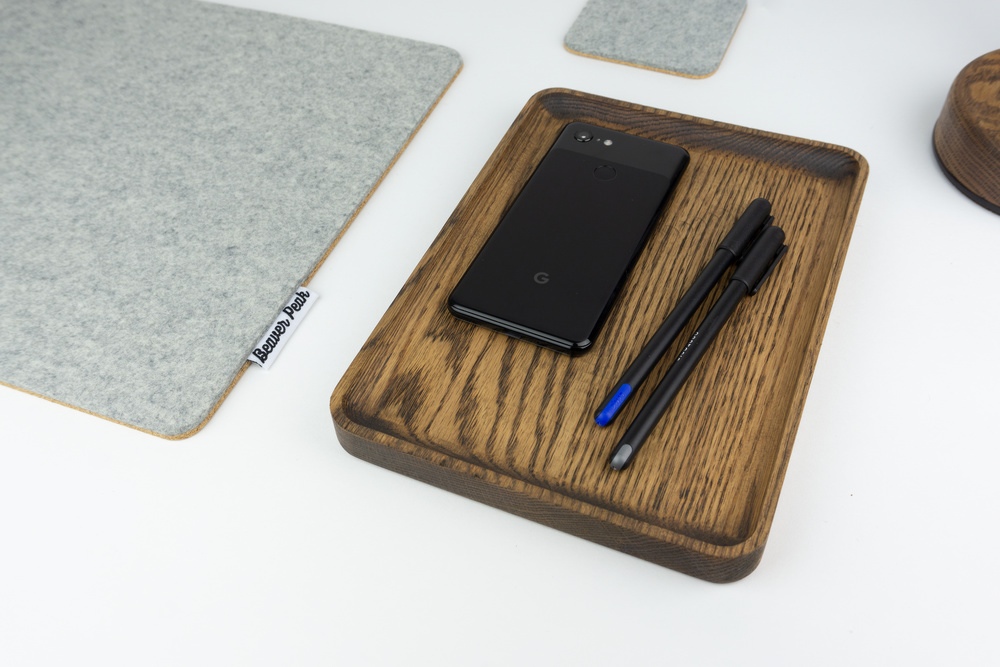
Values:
[(557, 258)]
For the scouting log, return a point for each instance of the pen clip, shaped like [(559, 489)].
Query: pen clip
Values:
[(770, 269), (759, 262)]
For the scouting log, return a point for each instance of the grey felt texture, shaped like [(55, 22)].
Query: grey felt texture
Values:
[(687, 37), (170, 171)]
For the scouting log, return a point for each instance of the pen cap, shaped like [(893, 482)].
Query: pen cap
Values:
[(747, 227), (761, 259)]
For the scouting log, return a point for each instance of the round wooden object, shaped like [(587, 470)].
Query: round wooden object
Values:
[(967, 134)]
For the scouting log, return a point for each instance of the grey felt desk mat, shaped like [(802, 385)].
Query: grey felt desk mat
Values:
[(686, 37), (170, 172)]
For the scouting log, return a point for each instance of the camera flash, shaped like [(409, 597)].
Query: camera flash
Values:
[(608, 142)]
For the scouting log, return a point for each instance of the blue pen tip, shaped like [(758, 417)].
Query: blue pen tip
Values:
[(611, 408)]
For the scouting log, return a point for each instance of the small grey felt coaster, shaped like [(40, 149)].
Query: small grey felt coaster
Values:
[(170, 172), (686, 37)]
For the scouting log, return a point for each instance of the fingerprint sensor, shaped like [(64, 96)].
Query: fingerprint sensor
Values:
[(605, 173)]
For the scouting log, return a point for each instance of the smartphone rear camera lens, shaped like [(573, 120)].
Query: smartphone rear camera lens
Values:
[(583, 136)]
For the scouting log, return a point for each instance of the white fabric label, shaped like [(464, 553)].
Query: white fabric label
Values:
[(291, 315)]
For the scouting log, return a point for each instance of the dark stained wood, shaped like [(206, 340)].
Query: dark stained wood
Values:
[(510, 424), (967, 134)]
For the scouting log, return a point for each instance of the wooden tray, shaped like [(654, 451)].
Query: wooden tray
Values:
[(511, 424)]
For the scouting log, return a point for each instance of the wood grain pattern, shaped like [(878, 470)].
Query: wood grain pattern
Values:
[(967, 134), (510, 424)]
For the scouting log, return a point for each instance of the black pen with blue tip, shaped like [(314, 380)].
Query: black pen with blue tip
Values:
[(750, 274), (746, 228)]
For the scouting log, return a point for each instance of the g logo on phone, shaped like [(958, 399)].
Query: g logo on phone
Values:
[(541, 277)]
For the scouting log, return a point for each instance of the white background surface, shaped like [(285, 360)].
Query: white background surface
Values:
[(261, 542)]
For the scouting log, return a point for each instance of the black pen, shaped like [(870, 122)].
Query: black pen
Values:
[(746, 228), (751, 273)]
